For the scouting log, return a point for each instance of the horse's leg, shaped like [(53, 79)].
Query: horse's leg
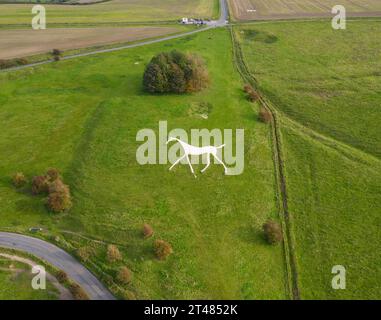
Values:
[(207, 163), (177, 161), (220, 161), (190, 165)]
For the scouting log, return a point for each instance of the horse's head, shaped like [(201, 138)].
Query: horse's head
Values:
[(170, 139)]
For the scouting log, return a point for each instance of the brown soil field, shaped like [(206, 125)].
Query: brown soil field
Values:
[(21, 43), (294, 9)]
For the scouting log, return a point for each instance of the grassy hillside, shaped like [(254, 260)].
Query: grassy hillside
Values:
[(116, 11), (82, 116), (326, 79), (328, 82)]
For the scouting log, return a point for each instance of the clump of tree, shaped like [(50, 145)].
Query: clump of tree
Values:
[(147, 231), (124, 275), (113, 253), (162, 249), (272, 232), (264, 115), (51, 183), (175, 72), (19, 180)]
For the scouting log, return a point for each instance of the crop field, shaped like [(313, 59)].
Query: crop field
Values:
[(293, 9), (327, 87), (20, 43), (111, 12), (82, 116)]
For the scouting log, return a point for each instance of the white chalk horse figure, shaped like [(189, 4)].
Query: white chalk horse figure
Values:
[(190, 150)]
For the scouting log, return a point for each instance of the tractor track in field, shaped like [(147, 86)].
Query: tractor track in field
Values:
[(281, 185)]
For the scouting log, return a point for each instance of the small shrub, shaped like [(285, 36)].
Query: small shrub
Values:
[(56, 52), (53, 174), (19, 180), (58, 186), (253, 96), (113, 253), (162, 249), (124, 275), (40, 184), (264, 115), (85, 253), (273, 232), (62, 276), (78, 293), (248, 88), (59, 202), (147, 231)]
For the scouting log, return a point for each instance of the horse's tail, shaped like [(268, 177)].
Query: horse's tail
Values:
[(221, 146)]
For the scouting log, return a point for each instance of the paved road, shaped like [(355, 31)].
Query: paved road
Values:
[(59, 259), (222, 21)]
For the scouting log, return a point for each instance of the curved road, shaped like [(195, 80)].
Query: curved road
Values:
[(222, 21), (59, 259)]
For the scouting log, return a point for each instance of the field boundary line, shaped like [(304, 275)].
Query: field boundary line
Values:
[(128, 46), (281, 186)]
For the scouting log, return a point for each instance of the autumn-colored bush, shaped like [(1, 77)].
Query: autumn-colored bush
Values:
[(53, 174), (78, 293), (40, 184), (253, 96), (19, 180), (59, 201), (124, 275), (264, 115), (59, 198), (147, 231), (58, 186), (62, 276), (162, 249), (113, 253), (85, 253), (175, 72), (272, 232), (248, 88)]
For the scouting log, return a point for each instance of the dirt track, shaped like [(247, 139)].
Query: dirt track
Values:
[(297, 9), (21, 43)]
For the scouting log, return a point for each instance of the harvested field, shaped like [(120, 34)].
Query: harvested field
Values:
[(22, 43), (115, 11), (293, 9)]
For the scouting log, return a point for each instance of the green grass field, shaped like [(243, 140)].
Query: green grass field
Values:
[(82, 116), (16, 284), (112, 12), (327, 86)]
